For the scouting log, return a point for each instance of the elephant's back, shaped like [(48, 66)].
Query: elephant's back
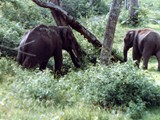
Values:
[(152, 41), (40, 42), (153, 37)]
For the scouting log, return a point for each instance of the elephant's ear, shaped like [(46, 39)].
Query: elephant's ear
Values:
[(132, 34), (68, 38), (130, 37)]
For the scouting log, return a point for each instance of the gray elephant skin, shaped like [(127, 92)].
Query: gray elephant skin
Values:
[(145, 43), (42, 42)]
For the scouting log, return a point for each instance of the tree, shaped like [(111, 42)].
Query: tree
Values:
[(126, 4), (59, 13), (133, 12), (109, 33), (68, 20), (59, 18)]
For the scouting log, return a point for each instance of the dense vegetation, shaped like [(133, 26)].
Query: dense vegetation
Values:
[(119, 91)]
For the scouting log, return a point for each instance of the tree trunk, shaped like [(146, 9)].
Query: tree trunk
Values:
[(133, 12), (58, 17), (110, 30), (126, 4)]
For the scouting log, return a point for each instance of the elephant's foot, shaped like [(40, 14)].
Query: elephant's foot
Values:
[(136, 63), (144, 67)]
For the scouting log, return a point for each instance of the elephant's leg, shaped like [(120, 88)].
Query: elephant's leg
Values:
[(58, 60), (26, 63), (158, 58), (29, 63), (146, 55), (19, 58), (137, 57), (43, 65)]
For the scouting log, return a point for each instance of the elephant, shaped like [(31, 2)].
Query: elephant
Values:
[(41, 43), (145, 43)]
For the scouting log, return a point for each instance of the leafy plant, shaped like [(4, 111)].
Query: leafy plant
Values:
[(78, 8), (142, 17), (120, 85), (27, 14), (10, 33)]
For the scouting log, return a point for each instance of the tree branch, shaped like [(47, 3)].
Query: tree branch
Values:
[(71, 21)]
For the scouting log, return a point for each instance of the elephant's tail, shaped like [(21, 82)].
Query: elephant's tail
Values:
[(22, 52)]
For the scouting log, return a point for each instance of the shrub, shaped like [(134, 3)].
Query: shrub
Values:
[(121, 85), (27, 14), (78, 8), (7, 66), (7, 69), (10, 33), (35, 84), (142, 17), (42, 86)]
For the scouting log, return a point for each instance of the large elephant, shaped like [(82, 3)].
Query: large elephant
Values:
[(145, 43), (43, 42)]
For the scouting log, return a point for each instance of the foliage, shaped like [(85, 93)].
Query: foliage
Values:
[(142, 17), (10, 33), (121, 85), (27, 14), (147, 11), (78, 8), (17, 17), (41, 86)]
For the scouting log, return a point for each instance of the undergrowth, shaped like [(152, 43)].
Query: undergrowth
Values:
[(120, 86)]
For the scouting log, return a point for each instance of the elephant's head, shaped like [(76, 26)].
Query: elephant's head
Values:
[(128, 42), (71, 45)]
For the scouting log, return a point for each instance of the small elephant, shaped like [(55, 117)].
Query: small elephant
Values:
[(43, 42), (145, 43)]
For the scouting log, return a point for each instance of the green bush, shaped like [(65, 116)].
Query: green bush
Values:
[(42, 86), (27, 14), (78, 8), (7, 69), (10, 35), (121, 85), (142, 17)]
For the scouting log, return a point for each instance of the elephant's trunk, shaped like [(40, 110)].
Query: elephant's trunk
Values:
[(74, 58), (125, 51)]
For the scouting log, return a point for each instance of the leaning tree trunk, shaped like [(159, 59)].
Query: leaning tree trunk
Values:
[(133, 12), (110, 30), (58, 17)]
